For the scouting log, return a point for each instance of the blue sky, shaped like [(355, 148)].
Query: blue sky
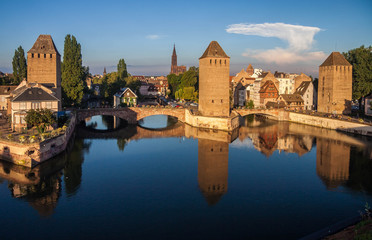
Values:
[(290, 36)]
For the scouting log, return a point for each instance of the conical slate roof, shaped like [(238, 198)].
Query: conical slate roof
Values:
[(335, 59), (44, 44), (214, 50)]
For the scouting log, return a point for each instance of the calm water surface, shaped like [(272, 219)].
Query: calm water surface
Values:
[(268, 180)]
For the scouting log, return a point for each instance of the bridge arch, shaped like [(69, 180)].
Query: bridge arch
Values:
[(131, 114), (264, 112)]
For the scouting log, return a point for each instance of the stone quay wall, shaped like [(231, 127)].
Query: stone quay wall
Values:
[(335, 124), (220, 123), (32, 154)]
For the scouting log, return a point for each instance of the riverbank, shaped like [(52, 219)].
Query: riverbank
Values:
[(31, 153)]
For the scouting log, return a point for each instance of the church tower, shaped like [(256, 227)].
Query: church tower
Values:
[(174, 60), (335, 85), (44, 64), (214, 86)]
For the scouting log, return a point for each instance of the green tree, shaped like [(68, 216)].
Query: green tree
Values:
[(19, 65), (361, 59), (249, 104), (134, 84), (40, 118), (174, 81), (122, 69), (73, 72)]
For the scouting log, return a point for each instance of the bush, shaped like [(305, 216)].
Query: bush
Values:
[(33, 139), (22, 139), (10, 137)]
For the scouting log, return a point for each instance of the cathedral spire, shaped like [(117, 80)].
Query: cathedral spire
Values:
[(174, 50)]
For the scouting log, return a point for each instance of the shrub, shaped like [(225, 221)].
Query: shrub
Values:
[(22, 139), (33, 139), (10, 137)]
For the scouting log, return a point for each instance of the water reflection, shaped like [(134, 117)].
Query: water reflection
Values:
[(338, 160), (213, 157)]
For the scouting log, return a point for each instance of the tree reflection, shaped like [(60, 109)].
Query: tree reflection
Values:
[(73, 169)]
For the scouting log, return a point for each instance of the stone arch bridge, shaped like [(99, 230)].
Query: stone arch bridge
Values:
[(131, 114)]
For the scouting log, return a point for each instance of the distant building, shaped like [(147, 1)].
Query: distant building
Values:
[(5, 92), (300, 79), (292, 101), (175, 69), (214, 68), (335, 85), (126, 96), (104, 71), (268, 92), (306, 90)]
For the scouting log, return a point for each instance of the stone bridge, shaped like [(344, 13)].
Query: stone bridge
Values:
[(131, 114), (278, 114)]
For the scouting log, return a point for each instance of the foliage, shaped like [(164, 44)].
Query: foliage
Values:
[(361, 59), (73, 73), (133, 84), (19, 65), (178, 84), (188, 93), (249, 104), (40, 118), (122, 69)]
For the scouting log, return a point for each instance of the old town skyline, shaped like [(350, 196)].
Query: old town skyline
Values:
[(154, 28)]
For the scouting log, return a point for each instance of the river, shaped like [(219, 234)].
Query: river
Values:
[(167, 180)]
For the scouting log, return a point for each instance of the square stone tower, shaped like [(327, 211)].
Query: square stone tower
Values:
[(335, 85), (214, 86), (44, 64)]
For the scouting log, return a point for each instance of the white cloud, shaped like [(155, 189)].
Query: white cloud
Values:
[(299, 39), (153, 36)]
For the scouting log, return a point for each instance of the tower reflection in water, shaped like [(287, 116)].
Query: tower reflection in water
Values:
[(213, 158)]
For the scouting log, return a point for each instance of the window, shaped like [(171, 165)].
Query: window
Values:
[(48, 105), (44, 55), (51, 55), (212, 101), (32, 55), (225, 62), (22, 105), (220, 61), (17, 119), (38, 55), (210, 61), (215, 61), (35, 105), (221, 101)]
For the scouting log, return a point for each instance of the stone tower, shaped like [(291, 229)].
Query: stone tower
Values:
[(213, 158), (174, 60), (214, 86), (44, 64), (335, 85)]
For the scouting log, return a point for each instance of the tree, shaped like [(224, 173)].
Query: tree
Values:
[(134, 84), (40, 118), (174, 81), (361, 59), (122, 69), (19, 65), (73, 72)]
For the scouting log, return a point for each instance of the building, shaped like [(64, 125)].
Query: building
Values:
[(125, 96), (335, 85), (240, 80), (300, 79), (268, 92), (292, 101), (44, 65), (214, 68), (368, 105), (29, 96), (43, 86), (5, 92), (175, 69), (306, 91)]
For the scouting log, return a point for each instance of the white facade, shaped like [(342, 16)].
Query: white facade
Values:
[(286, 86)]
